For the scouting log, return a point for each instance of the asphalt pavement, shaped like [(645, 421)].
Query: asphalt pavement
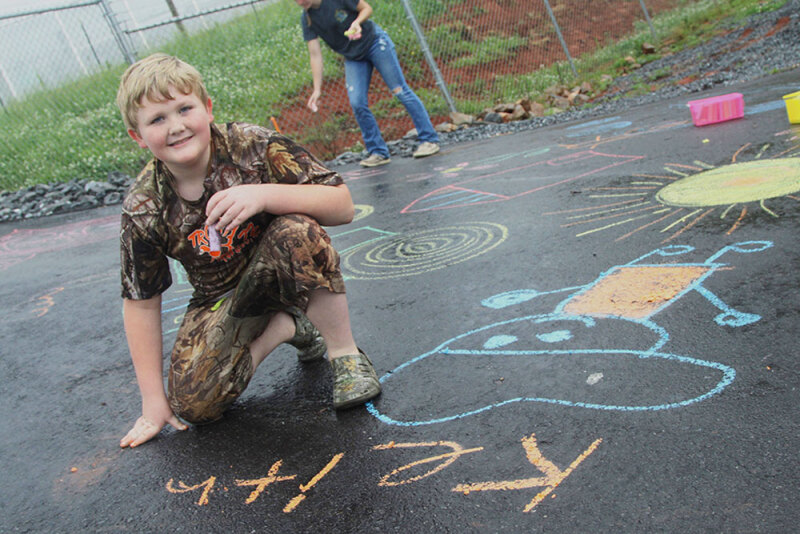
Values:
[(589, 327)]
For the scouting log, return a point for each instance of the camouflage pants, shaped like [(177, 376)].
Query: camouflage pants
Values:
[(211, 363)]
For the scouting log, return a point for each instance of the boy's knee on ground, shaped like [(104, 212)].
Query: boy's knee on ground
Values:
[(201, 394)]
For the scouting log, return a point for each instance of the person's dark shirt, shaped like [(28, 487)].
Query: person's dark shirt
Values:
[(329, 22)]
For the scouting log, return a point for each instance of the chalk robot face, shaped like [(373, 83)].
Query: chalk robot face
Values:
[(586, 354)]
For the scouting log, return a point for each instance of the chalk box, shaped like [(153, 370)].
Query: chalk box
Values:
[(717, 109), (792, 101)]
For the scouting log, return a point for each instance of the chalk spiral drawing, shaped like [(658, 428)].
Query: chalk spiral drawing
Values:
[(421, 252), (684, 194), (528, 178), (604, 323)]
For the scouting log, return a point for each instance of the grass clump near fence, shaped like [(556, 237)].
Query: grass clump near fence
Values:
[(256, 67)]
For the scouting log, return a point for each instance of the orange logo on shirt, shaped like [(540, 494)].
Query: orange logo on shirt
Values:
[(201, 239)]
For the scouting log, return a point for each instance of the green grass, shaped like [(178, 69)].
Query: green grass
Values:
[(257, 64)]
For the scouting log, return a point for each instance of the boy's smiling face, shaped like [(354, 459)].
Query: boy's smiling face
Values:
[(177, 131)]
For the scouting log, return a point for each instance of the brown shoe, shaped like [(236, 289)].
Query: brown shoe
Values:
[(354, 380), (307, 340)]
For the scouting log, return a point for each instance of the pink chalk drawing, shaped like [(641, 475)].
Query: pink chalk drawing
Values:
[(22, 245), (534, 177)]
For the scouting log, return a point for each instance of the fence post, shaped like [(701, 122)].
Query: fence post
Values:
[(649, 22), (116, 31), (176, 15), (560, 37), (428, 56)]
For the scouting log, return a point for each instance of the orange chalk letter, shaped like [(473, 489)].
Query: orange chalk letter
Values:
[(183, 488), (553, 476), (262, 483), (311, 483), (449, 458)]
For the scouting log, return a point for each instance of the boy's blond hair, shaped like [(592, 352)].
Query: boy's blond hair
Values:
[(151, 77)]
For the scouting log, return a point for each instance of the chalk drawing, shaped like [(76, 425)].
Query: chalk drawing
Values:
[(262, 483), (528, 178), (355, 237), (403, 255), (597, 129), (22, 245), (360, 174), (207, 486), (46, 302), (456, 452), (362, 211), (553, 476), (605, 324), (489, 162), (677, 199)]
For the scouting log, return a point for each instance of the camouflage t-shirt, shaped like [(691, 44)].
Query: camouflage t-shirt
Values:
[(158, 224)]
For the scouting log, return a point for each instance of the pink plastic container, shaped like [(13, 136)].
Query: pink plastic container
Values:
[(717, 109)]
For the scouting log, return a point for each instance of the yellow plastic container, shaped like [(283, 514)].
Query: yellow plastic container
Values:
[(793, 107)]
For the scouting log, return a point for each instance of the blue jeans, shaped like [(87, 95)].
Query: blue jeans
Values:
[(382, 56)]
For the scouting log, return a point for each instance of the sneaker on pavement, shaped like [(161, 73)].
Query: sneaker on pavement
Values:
[(307, 340), (374, 160), (426, 149), (354, 380)]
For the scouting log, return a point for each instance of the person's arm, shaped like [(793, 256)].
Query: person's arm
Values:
[(364, 12), (329, 205), (315, 59), (142, 320)]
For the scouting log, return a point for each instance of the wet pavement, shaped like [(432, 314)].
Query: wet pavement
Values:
[(587, 327)]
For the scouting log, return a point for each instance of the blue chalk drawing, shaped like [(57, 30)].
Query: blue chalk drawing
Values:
[(545, 333)]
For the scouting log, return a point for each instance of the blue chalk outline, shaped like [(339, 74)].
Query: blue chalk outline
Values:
[(729, 374), (728, 317)]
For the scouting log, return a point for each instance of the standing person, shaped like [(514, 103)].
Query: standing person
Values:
[(241, 208), (344, 26)]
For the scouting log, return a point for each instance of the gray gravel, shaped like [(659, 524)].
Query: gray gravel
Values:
[(757, 47)]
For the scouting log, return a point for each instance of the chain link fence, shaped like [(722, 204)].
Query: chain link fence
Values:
[(59, 68)]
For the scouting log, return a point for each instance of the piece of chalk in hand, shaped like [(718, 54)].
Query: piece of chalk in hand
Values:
[(214, 243), (314, 108)]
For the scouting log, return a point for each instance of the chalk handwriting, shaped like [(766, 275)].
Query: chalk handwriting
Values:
[(207, 486), (46, 302), (553, 476), (448, 457), (262, 483)]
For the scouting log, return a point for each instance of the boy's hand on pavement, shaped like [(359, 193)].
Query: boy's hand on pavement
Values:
[(144, 430)]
